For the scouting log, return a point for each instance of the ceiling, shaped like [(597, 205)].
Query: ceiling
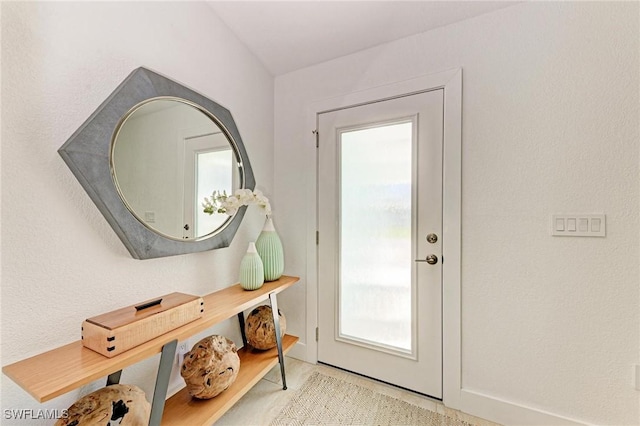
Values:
[(289, 35)]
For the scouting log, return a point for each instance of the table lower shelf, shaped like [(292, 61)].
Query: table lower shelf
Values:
[(181, 409)]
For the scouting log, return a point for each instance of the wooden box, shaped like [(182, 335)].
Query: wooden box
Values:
[(118, 331)]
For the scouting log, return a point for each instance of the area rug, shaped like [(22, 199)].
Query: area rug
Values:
[(324, 400)]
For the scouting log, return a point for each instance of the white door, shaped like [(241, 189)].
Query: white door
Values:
[(380, 219), (208, 166)]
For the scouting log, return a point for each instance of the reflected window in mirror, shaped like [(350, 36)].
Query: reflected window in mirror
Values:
[(212, 171)]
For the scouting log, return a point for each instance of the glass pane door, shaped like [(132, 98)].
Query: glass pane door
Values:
[(212, 173), (375, 261), (209, 165), (379, 196)]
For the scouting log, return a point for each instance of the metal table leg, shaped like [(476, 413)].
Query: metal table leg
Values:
[(114, 378), (162, 382), (242, 332), (276, 323)]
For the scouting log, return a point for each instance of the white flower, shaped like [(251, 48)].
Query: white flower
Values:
[(245, 196), (263, 202), (220, 202), (232, 203)]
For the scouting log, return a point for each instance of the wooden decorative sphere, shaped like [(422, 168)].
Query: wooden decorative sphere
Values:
[(124, 405), (210, 367), (260, 330)]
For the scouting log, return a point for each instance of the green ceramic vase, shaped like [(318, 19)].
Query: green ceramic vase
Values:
[(251, 269), (270, 249)]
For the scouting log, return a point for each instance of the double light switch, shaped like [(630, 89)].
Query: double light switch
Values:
[(578, 225)]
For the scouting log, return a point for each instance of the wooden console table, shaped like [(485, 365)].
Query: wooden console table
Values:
[(68, 367)]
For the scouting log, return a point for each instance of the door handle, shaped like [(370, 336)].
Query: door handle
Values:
[(431, 259)]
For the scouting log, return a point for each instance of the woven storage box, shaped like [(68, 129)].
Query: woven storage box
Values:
[(118, 331)]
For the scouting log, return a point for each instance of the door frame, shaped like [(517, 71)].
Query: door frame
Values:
[(451, 82)]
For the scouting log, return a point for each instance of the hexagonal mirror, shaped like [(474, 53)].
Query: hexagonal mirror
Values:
[(149, 155)]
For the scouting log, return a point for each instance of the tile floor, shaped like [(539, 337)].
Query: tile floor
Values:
[(264, 402)]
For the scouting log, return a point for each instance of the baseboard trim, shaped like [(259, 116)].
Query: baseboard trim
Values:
[(507, 412), (299, 352)]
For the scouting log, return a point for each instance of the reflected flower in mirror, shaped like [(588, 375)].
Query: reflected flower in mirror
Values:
[(220, 202)]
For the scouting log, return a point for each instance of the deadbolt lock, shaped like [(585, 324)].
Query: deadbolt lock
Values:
[(432, 238)]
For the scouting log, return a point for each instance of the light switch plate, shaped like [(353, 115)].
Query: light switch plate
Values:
[(578, 225), (150, 217)]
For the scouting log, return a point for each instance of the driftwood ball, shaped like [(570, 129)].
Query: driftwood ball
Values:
[(124, 405), (210, 367), (260, 330)]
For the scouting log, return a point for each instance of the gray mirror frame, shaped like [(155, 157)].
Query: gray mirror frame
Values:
[(87, 154)]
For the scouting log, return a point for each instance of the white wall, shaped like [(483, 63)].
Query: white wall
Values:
[(61, 261), (550, 125)]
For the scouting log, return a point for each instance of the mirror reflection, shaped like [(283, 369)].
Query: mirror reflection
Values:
[(166, 156)]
